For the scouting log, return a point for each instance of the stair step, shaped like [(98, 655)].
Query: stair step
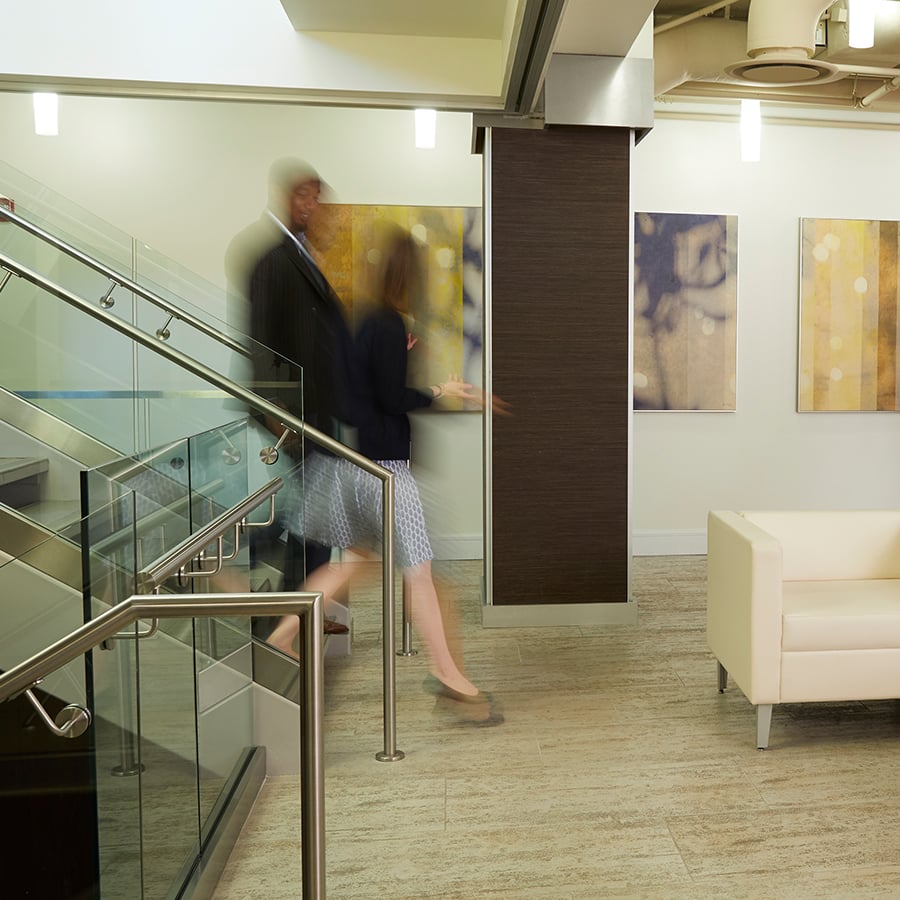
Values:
[(20, 479), (53, 514)]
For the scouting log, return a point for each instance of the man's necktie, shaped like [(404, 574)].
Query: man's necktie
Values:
[(316, 273)]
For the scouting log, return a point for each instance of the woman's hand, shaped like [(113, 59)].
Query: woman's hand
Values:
[(453, 389)]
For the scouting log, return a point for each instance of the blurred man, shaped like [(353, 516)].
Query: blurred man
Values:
[(302, 356)]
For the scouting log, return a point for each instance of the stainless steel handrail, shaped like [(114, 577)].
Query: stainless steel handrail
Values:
[(153, 606), (390, 753), (123, 280), (153, 575)]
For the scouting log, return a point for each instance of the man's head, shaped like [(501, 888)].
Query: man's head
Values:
[(294, 191)]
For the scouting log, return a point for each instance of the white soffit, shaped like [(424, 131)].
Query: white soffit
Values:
[(601, 27), (460, 19)]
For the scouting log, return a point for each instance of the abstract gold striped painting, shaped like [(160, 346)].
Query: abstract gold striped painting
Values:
[(849, 299)]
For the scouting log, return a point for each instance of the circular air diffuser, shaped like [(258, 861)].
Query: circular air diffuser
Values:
[(788, 71)]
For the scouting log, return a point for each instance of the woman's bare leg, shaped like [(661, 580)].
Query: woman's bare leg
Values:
[(330, 580), (448, 599), (426, 618)]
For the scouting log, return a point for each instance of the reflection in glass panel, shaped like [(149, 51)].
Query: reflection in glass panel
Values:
[(110, 567), (146, 513), (193, 716)]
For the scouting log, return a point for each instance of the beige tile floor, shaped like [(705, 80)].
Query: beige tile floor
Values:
[(620, 772)]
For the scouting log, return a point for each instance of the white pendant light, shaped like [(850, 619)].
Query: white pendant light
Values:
[(751, 130), (862, 23), (426, 120), (46, 113)]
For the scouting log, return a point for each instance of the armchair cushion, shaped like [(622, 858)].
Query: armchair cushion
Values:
[(841, 615)]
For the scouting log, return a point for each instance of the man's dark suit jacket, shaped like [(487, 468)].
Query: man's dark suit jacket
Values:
[(298, 320)]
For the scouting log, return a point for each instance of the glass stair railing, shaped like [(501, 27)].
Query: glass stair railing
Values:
[(72, 365), (145, 802), (136, 390), (115, 374)]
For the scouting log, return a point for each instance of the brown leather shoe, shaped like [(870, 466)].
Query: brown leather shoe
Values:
[(333, 627)]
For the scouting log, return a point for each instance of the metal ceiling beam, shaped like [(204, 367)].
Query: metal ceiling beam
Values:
[(540, 23)]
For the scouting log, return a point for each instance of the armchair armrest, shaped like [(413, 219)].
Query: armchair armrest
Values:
[(744, 603)]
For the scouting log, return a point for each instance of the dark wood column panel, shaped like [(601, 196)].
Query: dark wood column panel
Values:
[(561, 254)]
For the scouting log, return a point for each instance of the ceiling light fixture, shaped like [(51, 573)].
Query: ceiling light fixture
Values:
[(426, 120), (861, 24), (46, 113), (751, 129)]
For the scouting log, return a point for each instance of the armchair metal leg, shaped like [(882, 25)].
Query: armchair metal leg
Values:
[(723, 677), (763, 723)]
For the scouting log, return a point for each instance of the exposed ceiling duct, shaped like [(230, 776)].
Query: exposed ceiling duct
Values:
[(696, 51), (782, 57), (781, 42)]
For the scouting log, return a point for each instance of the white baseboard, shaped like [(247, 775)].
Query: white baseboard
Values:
[(543, 615), (644, 543), (669, 543), (457, 546)]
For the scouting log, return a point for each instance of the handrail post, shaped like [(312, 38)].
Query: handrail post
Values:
[(129, 763), (312, 754), (390, 752), (406, 624)]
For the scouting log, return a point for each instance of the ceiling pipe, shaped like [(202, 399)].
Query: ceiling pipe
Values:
[(785, 29), (697, 52), (878, 93), (697, 14)]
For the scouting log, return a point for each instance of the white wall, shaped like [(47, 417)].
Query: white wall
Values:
[(764, 455), (186, 176)]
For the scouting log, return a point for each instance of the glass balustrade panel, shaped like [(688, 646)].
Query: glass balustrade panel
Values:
[(146, 512), (196, 686), (226, 468), (67, 363), (54, 212), (109, 567), (40, 583), (279, 733), (113, 388)]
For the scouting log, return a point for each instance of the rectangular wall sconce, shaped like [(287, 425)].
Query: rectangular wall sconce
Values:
[(46, 113), (751, 130), (426, 120)]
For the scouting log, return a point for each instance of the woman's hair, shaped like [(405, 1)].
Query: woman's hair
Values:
[(398, 273)]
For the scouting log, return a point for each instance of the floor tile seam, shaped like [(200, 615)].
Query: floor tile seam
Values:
[(798, 807), (678, 851), (607, 779)]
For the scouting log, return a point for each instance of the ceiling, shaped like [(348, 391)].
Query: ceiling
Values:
[(700, 48), (522, 34), (487, 56)]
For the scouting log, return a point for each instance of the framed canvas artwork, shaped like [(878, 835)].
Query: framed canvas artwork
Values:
[(849, 299), (447, 309), (685, 311)]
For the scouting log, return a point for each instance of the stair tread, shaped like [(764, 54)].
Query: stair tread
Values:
[(16, 468), (53, 514)]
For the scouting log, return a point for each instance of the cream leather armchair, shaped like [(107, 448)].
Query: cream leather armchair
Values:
[(805, 605)]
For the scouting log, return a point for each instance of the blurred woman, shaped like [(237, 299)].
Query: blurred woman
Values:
[(342, 505)]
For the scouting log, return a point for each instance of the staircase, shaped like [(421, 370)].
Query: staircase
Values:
[(110, 454)]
